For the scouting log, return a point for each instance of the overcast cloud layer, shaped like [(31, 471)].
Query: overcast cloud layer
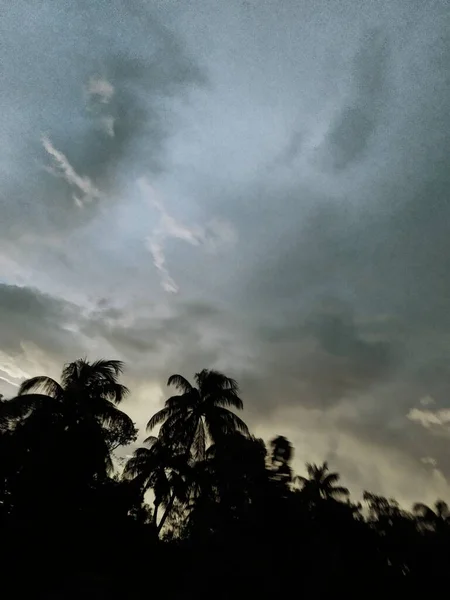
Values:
[(257, 186)]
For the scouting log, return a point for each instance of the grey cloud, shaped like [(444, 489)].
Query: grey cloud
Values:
[(37, 331), (333, 308), (354, 125), (183, 339), (134, 53), (376, 242), (324, 357), (291, 151)]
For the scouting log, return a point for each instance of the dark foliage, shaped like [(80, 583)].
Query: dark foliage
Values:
[(229, 518)]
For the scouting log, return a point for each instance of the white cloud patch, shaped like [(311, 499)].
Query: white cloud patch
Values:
[(216, 234), (12, 371), (107, 125), (438, 420), (159, 260), (8, 381), (100, 89), (62, 168)]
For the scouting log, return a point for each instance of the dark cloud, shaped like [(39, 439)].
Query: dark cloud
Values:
[(37, 331), (30, 315), (351, 131)]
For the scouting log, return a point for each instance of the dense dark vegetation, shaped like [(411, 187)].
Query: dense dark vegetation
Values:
[(202, 510)]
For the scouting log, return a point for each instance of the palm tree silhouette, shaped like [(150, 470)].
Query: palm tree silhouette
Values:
[(280, 459), (197, 416), (199, 413), (320, 483), (82, 405), (156, 467)]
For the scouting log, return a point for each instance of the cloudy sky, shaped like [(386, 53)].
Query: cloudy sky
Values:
[(255, 186)]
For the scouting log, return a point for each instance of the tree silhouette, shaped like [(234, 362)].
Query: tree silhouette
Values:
[(88, 393), (200, 412), (197, 416), (156, 467), (320, 483), (227, 485), (281, 455), (61, 435), (234, 519), (434, 519)]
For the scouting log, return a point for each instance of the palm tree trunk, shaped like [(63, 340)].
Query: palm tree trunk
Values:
[(155, 513), (166, 513)]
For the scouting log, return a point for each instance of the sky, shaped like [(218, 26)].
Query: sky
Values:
[(254, 186)]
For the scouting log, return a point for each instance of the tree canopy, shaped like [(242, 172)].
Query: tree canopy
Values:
[(201, 506)]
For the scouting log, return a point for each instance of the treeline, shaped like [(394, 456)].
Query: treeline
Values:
[(202, 510)]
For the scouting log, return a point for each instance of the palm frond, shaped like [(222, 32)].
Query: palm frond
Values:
[(317, 472), (21, 406), (71, 372), (301, 480), (100, 375), (180, 382), (114, 391), (99, 389), (311, 469), (42, 383), (120, 428), (179, 430), (177, 402), (179, 425), (102, 378), (424, 512), (209, 381), (330, 479), (227, 398), (158, 418), (150, 441), (442, 509), (338, 491), (221, 421), (110, 369), (199, 442), (110, 416), (139, 465)]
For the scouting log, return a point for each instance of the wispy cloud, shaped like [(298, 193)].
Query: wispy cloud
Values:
[(10, 369), (62, 168), (214, 235), (107, 125), (159, 260), (8, 381), (438, 420), (427, 401)]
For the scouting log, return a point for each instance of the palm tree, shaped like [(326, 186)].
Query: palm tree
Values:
[(198, 415), (320, 483), (156, 467), (432, 519), (280, 459), (82, 407)]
